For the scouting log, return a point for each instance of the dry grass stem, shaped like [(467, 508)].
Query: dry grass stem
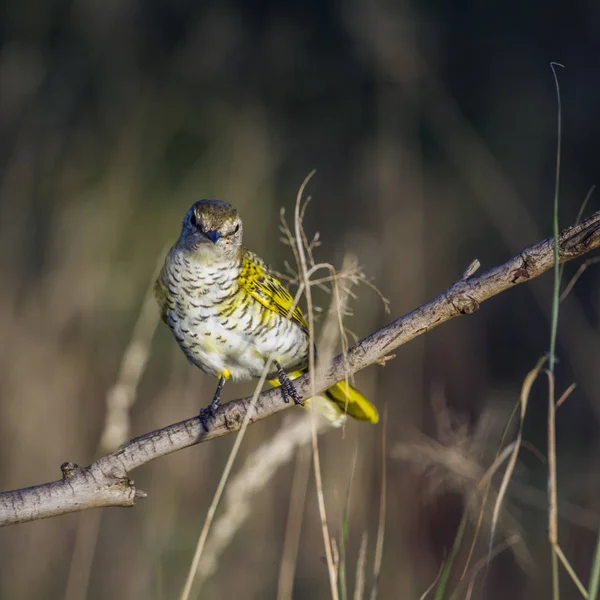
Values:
[(553, 493), (187, 588), (432, 585), (524, 398), (487, 491), (361, 568), (457, 463), (569, 569), (565, 395), (287, 567), (552, 486), (353, 274), (313, 389), (484, 562), (258, 470), (335, 553), (382, 512)]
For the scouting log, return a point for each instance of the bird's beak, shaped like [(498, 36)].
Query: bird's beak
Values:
[(213, 236)]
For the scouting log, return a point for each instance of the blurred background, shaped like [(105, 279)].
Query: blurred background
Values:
[(432, 127)]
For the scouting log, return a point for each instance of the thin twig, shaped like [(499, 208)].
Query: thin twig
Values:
[(562, 267), (580, 271), (585, 203)]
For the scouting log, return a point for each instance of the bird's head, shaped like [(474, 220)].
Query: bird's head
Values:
[(211, 227)]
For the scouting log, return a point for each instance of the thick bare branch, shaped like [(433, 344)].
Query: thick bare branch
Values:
[(106, 482)]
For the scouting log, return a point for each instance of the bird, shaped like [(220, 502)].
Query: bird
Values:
[(232, 316)]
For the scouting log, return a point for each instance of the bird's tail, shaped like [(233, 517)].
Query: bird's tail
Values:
[(337, 401)]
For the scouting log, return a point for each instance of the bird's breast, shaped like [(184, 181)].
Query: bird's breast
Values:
[(220, 326)]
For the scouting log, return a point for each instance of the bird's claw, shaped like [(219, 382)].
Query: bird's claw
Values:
[(206, 414), (288, 390)]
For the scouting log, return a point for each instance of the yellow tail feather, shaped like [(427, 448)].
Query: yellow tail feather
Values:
[(340, 399), (351, 401)]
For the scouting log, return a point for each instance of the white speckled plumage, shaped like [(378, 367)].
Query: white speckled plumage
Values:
[(219, 326)]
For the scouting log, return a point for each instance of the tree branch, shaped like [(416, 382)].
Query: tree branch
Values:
[(106, 482)]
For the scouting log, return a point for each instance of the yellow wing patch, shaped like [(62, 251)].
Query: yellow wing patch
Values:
[(264, 287)]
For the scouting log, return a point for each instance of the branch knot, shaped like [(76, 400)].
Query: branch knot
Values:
[(580, 242), (68, 470), (465, 304)]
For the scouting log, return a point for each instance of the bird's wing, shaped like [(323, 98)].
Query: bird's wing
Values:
[(264, 287), (162, 295)]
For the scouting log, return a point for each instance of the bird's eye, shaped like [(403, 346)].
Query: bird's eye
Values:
[(237, 228), (194, 221)]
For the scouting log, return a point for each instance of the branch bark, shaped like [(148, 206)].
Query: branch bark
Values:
[(106, 482)]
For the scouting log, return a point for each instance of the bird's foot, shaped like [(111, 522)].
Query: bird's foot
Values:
[(288, 390), (208, 413)]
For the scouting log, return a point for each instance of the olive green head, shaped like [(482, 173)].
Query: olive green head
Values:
[(211, 225)]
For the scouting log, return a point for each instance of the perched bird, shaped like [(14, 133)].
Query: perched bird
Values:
[(230, 314)]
